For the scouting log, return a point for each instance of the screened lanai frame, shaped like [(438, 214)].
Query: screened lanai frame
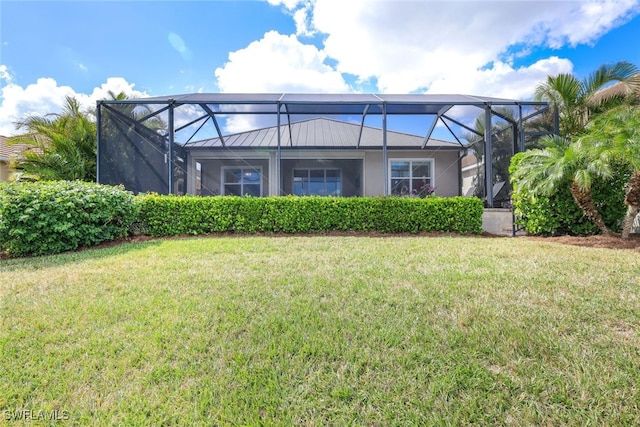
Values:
[(114, 125)]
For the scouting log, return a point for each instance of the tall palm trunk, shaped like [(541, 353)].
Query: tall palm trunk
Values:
[(632, 200), (583, 198)]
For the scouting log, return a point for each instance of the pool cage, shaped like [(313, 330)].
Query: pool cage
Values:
[(149, 144)]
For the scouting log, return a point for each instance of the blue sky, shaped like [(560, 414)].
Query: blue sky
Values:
[(51, 49)]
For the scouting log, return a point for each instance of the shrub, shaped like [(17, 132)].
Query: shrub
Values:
[(173, 215), (50, 217), (559, 214)]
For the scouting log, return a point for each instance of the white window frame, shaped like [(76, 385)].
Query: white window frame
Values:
[(293, 177), (432, 168), (223, 182)]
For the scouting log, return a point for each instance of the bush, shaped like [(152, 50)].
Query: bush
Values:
[(174, 215), (50, 217), (559, 214)]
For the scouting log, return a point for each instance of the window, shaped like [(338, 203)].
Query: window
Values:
[(317, 182), (411, 177), (242, 181)]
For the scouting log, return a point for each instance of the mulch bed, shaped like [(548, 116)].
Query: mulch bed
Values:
[(599, 241)]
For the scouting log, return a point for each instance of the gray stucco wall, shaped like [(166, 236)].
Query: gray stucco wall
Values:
[(369, 180), (446, 170)]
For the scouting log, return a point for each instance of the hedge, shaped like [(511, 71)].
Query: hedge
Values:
[(559, 214), (174, 215), (50, 217)]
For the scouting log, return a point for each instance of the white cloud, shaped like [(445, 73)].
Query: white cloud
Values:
[(589, 20), (5, 75), (501, 80), (289, 4), (409, 45), (279, 63), (276, 63), (417, 46), (302, 18), (46, 96), (300, 10)]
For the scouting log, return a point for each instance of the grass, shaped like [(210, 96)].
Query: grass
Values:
[(324, 331)]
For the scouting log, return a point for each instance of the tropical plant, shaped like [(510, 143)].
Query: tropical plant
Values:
[(542, 171), (576, 100), (62, 146), (614, 137)]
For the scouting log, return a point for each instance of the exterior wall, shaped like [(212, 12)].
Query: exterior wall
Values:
[(4, 170), (362, 170), (471, 177), (446, 170)]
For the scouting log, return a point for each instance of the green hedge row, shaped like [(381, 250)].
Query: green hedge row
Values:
[(50, 217), (174, 215)]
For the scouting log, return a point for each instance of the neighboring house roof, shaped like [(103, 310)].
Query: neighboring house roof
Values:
[(321, 133), (9, 151), (618, 89)]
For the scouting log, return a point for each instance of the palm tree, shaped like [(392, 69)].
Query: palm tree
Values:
[(62, 146), (614, 136), (542, 170), (576, 100)]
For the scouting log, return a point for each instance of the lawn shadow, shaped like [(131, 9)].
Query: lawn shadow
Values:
[(100, 251)]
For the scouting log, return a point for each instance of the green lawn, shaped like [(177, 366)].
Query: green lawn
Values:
[(323, 331)]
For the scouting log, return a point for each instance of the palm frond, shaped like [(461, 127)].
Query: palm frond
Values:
[(62, 145), (621, 71)]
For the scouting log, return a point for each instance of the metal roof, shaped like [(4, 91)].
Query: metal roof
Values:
[(321, 133)]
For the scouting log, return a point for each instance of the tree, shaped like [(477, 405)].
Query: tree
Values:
[(576, 100), (542, 171), (614, 137), (62, 146)]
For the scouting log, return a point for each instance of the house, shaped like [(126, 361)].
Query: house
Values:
[(8, 153), (471, 171), (309, 144), (321, 156)]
